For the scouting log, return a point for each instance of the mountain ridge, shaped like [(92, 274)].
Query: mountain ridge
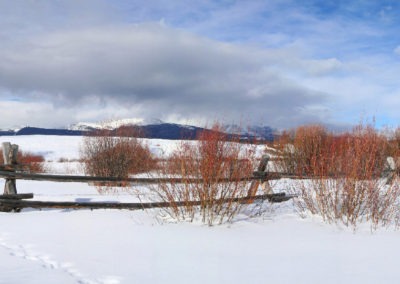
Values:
[(157, 130)]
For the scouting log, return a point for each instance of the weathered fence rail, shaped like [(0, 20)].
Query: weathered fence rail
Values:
[(16, 205), (78, 178), (16, 196)]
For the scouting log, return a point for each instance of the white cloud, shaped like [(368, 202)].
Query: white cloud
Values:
[(17, 114)]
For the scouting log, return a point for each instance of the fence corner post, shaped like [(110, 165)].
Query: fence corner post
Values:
[(260, 175), (10, 154)]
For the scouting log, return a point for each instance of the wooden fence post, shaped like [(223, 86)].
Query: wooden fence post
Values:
[(390, 169), (259, 173), (10, 153)]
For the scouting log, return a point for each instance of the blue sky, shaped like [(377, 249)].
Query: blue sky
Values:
[(280, 63)]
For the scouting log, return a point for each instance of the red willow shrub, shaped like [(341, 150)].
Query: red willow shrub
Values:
[(34, 162), (220, 162), (315, 151), (115, 153), (344, 172), (301, 149)]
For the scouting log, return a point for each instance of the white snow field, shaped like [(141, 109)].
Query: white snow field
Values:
[(122, 246)]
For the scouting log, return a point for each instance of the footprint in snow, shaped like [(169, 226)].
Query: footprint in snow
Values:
[(26, 252)]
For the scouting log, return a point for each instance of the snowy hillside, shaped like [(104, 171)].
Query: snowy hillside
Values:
[(264, 244), (113, 124), (264, 132)]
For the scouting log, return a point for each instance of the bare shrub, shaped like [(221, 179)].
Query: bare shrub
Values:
[(221, 167), (300, 148), (346, 184), (33, 162), (115, 154), (394, 143)]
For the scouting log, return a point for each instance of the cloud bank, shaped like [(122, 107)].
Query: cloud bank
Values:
[(280, 63), (156, 71)]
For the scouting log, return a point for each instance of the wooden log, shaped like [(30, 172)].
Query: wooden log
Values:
[(9, 168), (261, 169), (7, 205), (15, 168), (17, 196), (10, 153), (74, 178), (282, 198)]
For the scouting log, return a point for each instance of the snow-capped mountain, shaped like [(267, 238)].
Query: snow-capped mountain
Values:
[(113, 124), (153, 128)]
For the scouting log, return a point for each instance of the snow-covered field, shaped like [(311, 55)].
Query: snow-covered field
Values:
[(121, 246)]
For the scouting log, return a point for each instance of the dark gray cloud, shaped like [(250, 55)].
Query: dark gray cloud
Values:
[(168, 72), (275, 62)]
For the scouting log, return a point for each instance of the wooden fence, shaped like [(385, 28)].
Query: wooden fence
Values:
[(12, 201)]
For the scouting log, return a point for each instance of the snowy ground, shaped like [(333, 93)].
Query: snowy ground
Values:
[(121, 246)]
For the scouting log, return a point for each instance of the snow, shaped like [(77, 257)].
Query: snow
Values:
[(113, 124), (122, 246), (54, 147)]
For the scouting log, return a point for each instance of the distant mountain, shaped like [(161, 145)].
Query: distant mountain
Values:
[(264, 132), (113, 124), (170, 131), (6, 132), (156, 130), (255, 132), (48, 131)]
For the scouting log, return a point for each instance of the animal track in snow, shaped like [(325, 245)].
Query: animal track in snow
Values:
[(26, 252)]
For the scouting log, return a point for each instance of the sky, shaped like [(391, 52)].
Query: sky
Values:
[(280, 63)]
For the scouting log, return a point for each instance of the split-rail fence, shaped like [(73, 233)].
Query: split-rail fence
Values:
[(10, 200)]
